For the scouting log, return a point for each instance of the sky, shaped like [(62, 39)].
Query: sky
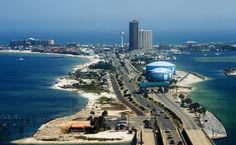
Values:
[(107, 16)]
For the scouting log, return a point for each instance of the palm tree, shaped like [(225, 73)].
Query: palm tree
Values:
[(194, 106), (202, 110), (188, 101), (181, 96)]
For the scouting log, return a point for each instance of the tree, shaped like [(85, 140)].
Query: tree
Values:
[(130, 99), (181, 96), (202, 110), (95, 123), (188, 101), (194, 106), (102, 122), (105, 113), (92, 112), (145, 95)]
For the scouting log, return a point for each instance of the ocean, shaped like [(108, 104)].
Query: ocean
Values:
[(27, 99), (111, 37), (218, 93), (26, 96)]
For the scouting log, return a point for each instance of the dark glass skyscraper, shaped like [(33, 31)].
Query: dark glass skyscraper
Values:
[(133, 34)]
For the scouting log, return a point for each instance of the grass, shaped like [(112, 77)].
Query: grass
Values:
[(97, 139)]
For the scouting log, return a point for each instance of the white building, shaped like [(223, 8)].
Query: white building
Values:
[(145, 39)]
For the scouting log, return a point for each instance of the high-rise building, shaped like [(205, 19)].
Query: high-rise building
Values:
[(145, 39), (122, 39), (133, 34), (51, 42)]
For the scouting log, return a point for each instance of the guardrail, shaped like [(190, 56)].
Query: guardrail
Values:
[(198, 75), (212, 142), (186, 137)]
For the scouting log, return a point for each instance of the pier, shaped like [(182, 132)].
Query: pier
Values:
[(212, 126)]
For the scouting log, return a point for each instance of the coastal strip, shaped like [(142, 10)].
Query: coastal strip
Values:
[(208, 122), (56, 130)]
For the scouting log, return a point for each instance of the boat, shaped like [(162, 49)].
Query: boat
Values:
[(218, 54), (59, 56), (230, 71), (21, 59)]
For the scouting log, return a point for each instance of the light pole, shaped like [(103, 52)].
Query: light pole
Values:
[(122, 39)]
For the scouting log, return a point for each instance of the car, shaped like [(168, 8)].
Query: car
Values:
[(122, 121), (113, 119), (146, 121), (121, 125), (167, 117), (169, 136), (148, 126), (172, 142), (167, 130), (158, 114), (148, 105)]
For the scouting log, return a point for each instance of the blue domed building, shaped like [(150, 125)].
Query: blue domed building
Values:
[(160, 71)]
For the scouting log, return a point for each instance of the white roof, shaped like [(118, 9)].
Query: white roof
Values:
[(160, 63), (161, 70)]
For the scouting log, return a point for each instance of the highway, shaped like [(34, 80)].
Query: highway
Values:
[(122, 99), (187, 120), (193, 131), (165, 124)]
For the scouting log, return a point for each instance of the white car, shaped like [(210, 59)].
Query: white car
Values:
[(113, 119)]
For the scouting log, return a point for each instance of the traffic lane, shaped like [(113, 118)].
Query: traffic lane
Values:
[(187, 120), (122, 99), (166, 123)]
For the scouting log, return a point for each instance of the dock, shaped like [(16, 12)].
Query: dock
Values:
[(213, 127)]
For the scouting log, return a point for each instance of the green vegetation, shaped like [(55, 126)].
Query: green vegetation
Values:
[(181, 96), (105, 100), (86, 75), (94, 88), (105, 113), (139, 67), (99, 123), (129, 95), (102, 65), (96, 139)]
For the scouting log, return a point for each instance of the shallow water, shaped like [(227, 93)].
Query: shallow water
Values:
[(218, 94), (27, 98)]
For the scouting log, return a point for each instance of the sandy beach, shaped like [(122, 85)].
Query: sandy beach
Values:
[(54, 128), (186, 83), (189, 78)]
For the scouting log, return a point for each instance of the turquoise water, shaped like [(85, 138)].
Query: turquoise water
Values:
[(27, 98), (25, 90), (218, 94)]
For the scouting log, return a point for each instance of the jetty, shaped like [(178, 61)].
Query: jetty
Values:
[(212, 126)]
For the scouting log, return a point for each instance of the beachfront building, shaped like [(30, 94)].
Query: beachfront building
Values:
[(80, 126), (145, 39), (32, 42), (160, 71), (133, 34), (160, 74)]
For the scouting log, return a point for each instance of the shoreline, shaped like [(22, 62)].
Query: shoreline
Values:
[(63, 79), (55, 124), (30, 52), (189, 79)]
